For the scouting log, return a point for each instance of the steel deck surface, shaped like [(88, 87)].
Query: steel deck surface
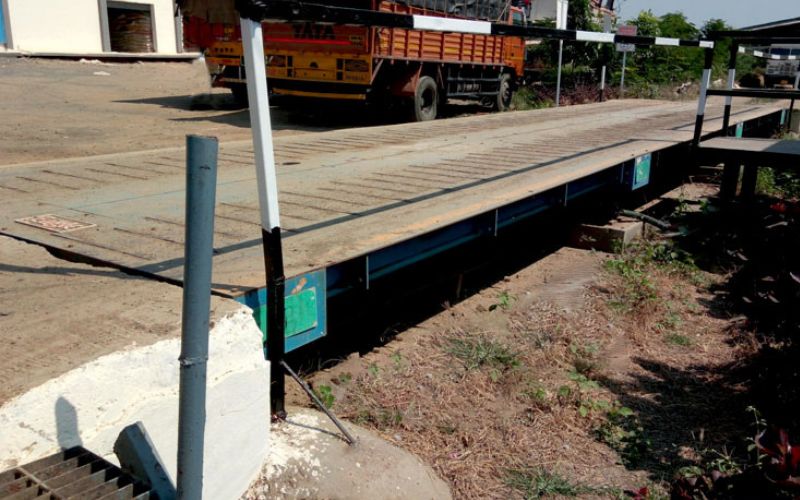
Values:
[(757, 152), (342, 193)]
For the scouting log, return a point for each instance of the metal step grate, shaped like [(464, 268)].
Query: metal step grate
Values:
[(74, 473)]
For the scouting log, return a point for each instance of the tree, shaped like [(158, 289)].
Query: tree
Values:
[(641, 62), (675, 25), (581, 17), (680, 63)]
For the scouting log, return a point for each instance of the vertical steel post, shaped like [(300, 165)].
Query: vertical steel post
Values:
[(201, 183), (705, 80), (791, 103), (253, 42), (622, 76), (558, 78), (749, 181), (726, 119), (730, 180), (603, 84)]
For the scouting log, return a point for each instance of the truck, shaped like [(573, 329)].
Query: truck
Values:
[(417, 70)]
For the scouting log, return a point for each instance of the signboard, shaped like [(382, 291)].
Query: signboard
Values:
[(636, 173), (305, 309), (782, 68), (626, 30)]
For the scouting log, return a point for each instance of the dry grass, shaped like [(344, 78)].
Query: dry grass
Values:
[(483, 392)]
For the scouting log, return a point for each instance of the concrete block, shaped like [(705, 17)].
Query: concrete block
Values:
[(608, 237)]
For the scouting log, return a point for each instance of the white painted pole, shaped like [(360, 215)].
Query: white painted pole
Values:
[(255, 65), (701, 103), (253, 42), (622, 77), (558, 78)]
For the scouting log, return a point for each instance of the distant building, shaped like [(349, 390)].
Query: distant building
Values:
[(556, 9), (780, 72), (602, 8), (76, 27)]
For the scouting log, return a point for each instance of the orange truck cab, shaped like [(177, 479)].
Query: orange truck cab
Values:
[(375, 64)]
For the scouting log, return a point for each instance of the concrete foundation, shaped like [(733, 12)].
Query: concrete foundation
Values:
[(607, 238), (90, 405), (308, 459), (87, 351)]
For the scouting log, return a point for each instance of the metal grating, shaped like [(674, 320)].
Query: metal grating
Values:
[(71, 474)]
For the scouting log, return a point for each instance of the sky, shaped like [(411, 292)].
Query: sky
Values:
[(737, 13)]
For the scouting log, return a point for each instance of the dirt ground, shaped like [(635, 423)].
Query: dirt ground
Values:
[(60, 108)]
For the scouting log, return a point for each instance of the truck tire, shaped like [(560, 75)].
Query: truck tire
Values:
[(240, 94), (503, 100), (426, 99)]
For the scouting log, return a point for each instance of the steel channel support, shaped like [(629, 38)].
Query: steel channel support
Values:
[(266, 178), (201, 183), (558, 78), (726, 120), (701, 101), (791, 103), (603, 84), (749, 179), (730, 181)]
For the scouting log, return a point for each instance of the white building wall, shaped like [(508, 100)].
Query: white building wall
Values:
[(65, 26), (74, 27), (164, 24)]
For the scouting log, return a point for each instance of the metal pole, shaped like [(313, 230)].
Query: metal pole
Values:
[(791, 103), (253, 42), (603, 84), (558, 78), (705, 80), (726, 119), (178, 28), (622, 77), (348, 437), (201, 183)]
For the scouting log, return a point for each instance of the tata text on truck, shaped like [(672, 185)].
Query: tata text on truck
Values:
[(387, 66)]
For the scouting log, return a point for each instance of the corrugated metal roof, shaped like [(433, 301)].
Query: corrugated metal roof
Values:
[(785, 27)]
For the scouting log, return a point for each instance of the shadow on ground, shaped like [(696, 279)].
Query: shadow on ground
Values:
[(291, 113), (707, 407)]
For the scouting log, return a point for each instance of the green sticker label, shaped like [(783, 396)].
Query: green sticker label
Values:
[(301, 313), (641, 171)]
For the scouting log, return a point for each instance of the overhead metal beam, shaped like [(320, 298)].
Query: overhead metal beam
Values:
[(293, 11)]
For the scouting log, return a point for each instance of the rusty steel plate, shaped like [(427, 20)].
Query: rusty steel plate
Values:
[(54, 223)]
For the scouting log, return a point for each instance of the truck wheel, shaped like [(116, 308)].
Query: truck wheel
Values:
[(503, 101), (240, 94), (426, 99)]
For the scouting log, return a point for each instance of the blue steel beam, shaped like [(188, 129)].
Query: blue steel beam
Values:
[(355, 275)]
